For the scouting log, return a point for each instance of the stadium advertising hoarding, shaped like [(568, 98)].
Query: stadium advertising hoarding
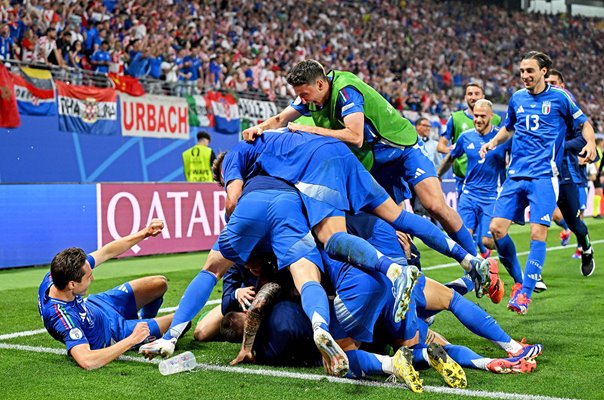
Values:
[(194, 215), (154, 116), (253, 112)]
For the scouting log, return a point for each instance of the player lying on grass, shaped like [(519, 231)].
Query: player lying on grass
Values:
[(98, 329)]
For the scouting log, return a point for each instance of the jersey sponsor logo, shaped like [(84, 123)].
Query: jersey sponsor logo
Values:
[(123, 288), (75, 333), (546, 107), (520, 110), (83, 316), (347, 107), (471, 146), (419, 172), (546, 218)]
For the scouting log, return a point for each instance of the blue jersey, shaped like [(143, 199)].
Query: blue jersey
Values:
[(73, 322), (540, 122), (482, 174)]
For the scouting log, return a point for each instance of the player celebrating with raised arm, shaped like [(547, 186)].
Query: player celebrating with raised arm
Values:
[(98, 329), (344, 107), (537, 120)]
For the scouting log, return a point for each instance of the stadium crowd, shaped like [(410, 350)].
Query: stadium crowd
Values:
[(417, 54)]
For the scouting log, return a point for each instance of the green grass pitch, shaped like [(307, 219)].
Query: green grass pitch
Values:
[(567, 319)]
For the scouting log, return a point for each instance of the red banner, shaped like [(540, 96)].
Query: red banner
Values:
[(9, 117), (127, 84), (193, 214)]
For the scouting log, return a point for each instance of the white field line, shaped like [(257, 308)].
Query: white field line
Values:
[(524, 253), (308, 377), (217, 301)]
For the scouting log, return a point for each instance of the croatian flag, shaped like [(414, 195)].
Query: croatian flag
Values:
[(35, 92), (226, 113), (85, 109)]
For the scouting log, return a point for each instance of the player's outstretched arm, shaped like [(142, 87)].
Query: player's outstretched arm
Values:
[(353, 132), (93, 359), (119, 246), (589, 151), (265, 297), (502, 136), (278, 121)]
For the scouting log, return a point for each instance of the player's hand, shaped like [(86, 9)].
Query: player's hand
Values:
[(251, 133), (486, 148), (154, 227), (141, 332), (588, 152), (292, 126), (244, 356), (405, 241), (245, 296)]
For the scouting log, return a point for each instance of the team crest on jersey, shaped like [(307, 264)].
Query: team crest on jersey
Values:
[(546, 107), (75, 333)]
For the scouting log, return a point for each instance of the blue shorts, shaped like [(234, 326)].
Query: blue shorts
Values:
[(396, 168), (476, 213), (360, 298), (119, 307), (337, 183), (540, 194), (273, 215)]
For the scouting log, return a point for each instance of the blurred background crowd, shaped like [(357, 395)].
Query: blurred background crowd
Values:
[(418, 54)]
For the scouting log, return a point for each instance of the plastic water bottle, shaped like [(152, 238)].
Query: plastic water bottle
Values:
[(182, 362)]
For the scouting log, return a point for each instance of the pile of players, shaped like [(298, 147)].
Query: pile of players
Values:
[(325, 199)]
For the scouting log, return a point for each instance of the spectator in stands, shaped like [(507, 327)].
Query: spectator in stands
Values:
[(7, 45), (46, 49), (101, 59)]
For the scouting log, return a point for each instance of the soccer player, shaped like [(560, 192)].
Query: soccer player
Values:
[(572, 179), (270, 215), (332, 182), (98, 329), (482, 181), (537, 119), (459, 122), (344, 107)]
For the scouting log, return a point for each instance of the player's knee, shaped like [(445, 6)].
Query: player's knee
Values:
[(160, 284), (498, 231)]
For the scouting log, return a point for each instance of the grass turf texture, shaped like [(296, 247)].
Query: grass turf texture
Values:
[(566, 319)]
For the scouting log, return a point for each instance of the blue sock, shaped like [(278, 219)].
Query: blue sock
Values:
[(363, 363), (463, 355), (481, 246), (477, 320), (430, 235), (315, 304), (420, 356), (195, 297), (534, 264), (461, 285), (465, 240), (507, 255), (150, 310), (562, 224), (352, 249)]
